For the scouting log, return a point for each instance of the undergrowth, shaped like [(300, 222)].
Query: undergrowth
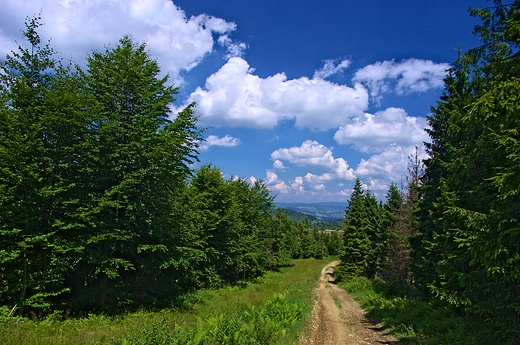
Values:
[(413, 319), (275, 309), (265, 324)]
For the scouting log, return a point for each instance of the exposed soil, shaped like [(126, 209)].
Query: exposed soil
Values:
[(337, 319)]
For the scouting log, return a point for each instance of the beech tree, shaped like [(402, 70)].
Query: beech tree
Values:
[(38, 148)]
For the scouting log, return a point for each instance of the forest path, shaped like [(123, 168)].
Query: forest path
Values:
[(338, 320)]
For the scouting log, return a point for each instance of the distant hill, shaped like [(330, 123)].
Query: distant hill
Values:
[(320, 223), (328, 211), (298, 216)]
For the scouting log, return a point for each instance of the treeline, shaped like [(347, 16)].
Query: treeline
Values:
[(376, 234), (100, 209), (456, 234)]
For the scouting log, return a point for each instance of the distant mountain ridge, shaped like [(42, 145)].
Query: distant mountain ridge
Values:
[(320, 210), (299, 216)]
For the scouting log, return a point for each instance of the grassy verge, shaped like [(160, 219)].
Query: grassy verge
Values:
[(414, 320), (276, 309)]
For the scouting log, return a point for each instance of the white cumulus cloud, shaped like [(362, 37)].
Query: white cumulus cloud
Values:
[(407, 76), (278, 165), (235, 97), (312, 153), (213, 140), (390, 165), (79, 27), (372, 133), (275, 184), (309, 153)]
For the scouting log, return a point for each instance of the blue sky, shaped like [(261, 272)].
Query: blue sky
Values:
[(304, 95)]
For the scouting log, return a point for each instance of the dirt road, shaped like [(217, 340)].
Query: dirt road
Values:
[(338, 320)]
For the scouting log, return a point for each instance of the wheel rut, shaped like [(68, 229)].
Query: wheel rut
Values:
[(338, 320)]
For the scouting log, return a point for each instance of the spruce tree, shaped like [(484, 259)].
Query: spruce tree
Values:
[(469, 253), (404, 223), (357, 250), (138, 164)]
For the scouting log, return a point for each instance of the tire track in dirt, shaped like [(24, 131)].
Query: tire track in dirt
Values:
[(338, 320)]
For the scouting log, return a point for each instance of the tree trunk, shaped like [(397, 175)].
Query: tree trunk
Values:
[(102, 296), (24, 282)]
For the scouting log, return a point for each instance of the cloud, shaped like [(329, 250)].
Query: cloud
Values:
[(376, 172), (407, 76), (274, 183), (234, 48), (252, 180), (235, 97), (310, 153), (213, 140), (79, 27), (278, 165), (330, 68), (297, 184), (390, 165), (372, 133), (313, 154)]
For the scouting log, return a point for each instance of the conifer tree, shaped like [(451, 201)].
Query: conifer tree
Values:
[(138, 162), (469, 254), (376, 232), (281, 240), (357, 250), (404, 222)]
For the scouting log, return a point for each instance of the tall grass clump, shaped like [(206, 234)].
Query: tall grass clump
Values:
[(413, 319)]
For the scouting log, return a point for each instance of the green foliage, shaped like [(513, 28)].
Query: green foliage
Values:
[(90, 167), (229, 314), (263, 324), (37, 187), (356, 256), (252, 325), (232, 217), (467, 252), (364, 235), (412, 319), (401, 222)]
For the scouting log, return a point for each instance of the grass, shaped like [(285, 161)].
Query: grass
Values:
[(414, 320), (335, 299), (275, 309)]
